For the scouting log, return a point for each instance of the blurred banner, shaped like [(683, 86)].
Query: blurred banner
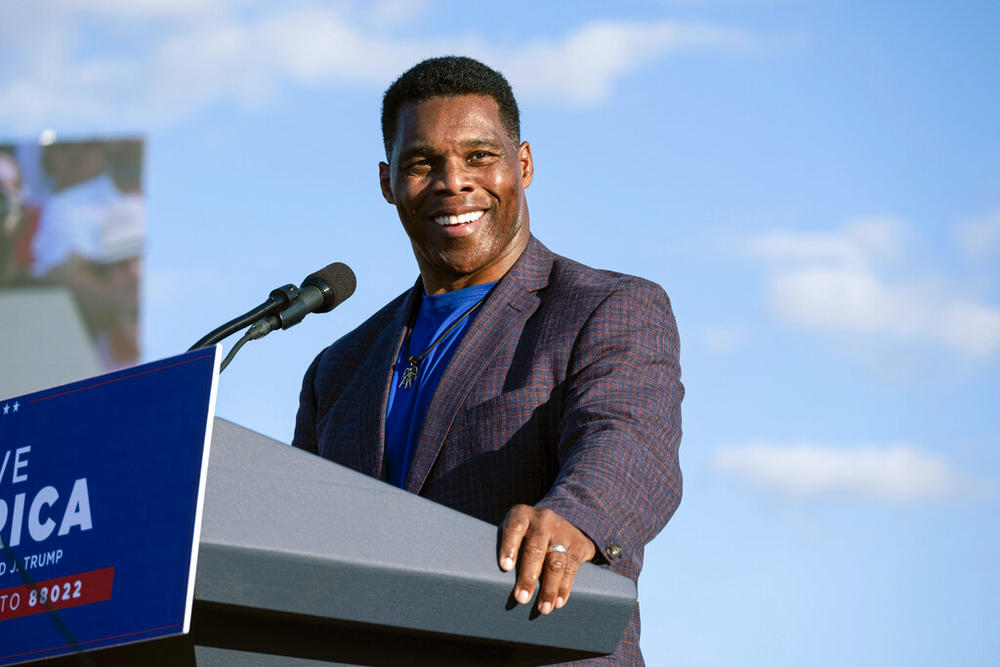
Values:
[(72, 216)]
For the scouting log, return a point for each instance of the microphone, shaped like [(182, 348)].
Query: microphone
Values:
[(320, 292)]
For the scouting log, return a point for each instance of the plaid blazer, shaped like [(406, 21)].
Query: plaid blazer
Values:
[(564, 393)]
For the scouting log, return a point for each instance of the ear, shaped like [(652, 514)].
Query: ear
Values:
[(527, 164), (385, 182)]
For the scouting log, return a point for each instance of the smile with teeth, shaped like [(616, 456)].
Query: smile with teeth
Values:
[(448, 220)]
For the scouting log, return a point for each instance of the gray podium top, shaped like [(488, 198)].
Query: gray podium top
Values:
[(287, 532)]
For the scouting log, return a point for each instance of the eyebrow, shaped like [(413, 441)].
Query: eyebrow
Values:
[(468, 144), (420, 149), (482, 143)]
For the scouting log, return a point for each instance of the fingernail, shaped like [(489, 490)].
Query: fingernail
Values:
[(506, 563), (559, 602), (546, 607), (523, 596)]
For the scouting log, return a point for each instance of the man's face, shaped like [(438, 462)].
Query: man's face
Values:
[(457, 181)]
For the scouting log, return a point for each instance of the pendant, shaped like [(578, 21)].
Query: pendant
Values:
[(409, 375)]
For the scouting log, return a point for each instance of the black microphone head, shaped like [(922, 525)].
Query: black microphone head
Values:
[(336, 281)]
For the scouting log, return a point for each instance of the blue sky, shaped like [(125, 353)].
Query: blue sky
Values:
[(815, 184)]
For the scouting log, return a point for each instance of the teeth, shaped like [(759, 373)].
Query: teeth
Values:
[(458, 219)]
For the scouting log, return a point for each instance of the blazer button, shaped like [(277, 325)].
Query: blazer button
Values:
[(613, 551)]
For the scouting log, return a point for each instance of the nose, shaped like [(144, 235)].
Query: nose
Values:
[(453, 177)]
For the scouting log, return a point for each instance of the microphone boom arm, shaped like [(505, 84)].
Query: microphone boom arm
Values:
[(279, 299), (320, 292)]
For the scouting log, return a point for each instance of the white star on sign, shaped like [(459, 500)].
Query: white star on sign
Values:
[(16, 406), (6, 408)]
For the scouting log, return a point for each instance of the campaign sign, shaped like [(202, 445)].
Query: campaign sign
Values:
[(101, 491)]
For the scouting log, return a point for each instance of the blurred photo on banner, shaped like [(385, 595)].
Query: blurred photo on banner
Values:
[(72, 217)]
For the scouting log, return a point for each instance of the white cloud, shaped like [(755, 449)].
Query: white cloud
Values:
[(851, 281), (191, 54), (139, 9), (898, 473), (980, 237), (583, 67), (879, 237)]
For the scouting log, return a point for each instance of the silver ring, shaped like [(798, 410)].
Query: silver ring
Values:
[(558, 548)]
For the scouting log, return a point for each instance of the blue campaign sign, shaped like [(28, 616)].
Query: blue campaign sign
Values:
[(101, 490)]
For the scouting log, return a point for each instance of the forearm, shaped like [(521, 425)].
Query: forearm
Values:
[(619, 478)]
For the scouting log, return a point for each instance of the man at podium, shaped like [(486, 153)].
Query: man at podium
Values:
[(509, 383)]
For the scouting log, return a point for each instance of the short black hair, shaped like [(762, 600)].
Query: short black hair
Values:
[(443, 77)]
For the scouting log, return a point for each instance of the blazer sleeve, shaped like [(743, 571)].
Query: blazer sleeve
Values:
[(305, 419), (619, 479)]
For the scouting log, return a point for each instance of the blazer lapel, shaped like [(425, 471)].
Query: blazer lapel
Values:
[(373, 397), (495, 327)]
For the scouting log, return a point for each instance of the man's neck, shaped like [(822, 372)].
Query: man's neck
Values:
[(436, 283)]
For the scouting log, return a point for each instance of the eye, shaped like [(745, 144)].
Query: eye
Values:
[(480, 156), (418, 165)]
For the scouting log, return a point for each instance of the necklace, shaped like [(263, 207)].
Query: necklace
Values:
[(410, 374)]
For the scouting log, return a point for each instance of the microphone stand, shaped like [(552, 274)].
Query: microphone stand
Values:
[(285, 307), (279, 299)]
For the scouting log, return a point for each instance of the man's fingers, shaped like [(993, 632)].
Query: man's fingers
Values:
[(515, 525), (566, 583), (556, 562), (545, 547), (529, 569)]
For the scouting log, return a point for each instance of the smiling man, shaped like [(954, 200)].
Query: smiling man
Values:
[(457, 179), (509, 383)]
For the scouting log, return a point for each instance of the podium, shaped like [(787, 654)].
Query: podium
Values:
[(305, 562)]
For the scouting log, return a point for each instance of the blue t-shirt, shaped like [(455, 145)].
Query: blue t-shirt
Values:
[(407, 407)]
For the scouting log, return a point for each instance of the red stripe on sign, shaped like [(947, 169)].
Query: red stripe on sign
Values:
[(124, 377), (70, 591)]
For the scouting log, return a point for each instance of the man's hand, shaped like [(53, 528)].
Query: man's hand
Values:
[(534, 533)]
